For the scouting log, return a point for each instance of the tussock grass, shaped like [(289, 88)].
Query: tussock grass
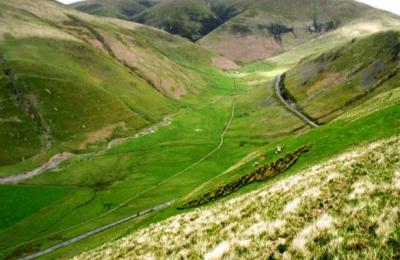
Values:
[(346, 207)]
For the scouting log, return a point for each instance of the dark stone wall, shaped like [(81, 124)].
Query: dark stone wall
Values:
[(260, 174)]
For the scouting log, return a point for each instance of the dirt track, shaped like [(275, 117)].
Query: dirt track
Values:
[(116, 223)]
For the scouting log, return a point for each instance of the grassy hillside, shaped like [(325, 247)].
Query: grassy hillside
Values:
[(149, 170), (345, 207), (153, 164), (66, 89), (73, 81), (61, 74), (326, 86), (302, 198)]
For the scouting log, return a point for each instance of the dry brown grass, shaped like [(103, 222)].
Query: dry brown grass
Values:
[(245, 48), (101, 135), (224, 63), (147, 64)]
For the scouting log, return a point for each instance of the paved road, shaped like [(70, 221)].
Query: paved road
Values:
[(97, 230), (293, 109), (156, 208)]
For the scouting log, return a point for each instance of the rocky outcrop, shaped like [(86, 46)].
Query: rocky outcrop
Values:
[(27, 105), (240, 29), (261, 174), (320, 27), (276, 30), (396, 52)]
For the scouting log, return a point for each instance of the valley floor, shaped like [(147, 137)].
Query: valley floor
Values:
[(201, 142), (143, 172), (109, 128)]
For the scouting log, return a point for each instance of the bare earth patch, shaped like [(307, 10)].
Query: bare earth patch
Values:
[(126, 50), (101, 135), (328, 81), (224, 63), (245, 48)]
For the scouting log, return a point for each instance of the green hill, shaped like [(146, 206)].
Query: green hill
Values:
[(71, 81), (335, 81)]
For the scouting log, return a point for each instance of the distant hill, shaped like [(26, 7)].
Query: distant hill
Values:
[(265, 28), (246, 30), (189, 18)]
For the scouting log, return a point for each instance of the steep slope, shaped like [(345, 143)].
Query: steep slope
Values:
[(192, 19), (251, 30), (326, 86), (347, 207), (268, 27), (189, 18), (123, 9), (71, 80)]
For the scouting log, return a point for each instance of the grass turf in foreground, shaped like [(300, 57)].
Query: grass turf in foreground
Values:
[(306, 215)]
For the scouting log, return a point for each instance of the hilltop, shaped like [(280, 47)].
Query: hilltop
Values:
[(245, 31), (192, 19), (269, 27)]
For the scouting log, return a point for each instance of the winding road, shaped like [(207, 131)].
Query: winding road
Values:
[(97, 230), (136, 215), (292, 108)]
